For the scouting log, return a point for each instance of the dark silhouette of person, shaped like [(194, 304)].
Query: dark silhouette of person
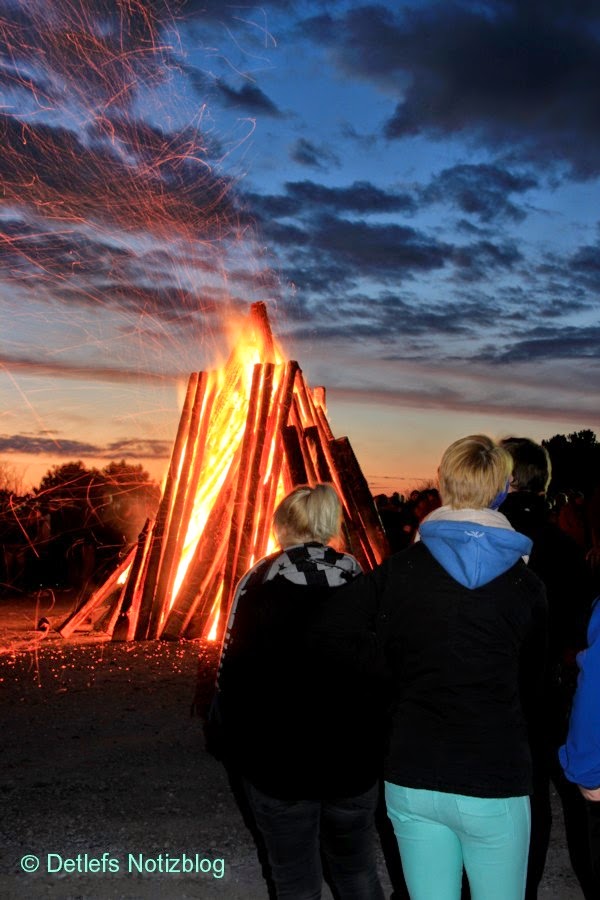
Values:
[(560, 563)]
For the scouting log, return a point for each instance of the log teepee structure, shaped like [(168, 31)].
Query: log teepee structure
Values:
[(248, 434)]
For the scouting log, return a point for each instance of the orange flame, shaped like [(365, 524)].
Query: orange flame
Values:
[(231, 387)]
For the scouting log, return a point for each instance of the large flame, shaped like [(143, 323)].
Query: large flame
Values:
[(227, 425)]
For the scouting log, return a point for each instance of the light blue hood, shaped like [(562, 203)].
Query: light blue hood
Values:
[(471, 553)]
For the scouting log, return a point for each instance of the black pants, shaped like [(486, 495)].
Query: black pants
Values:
[(593, 821), (296, 832), (576, 830)]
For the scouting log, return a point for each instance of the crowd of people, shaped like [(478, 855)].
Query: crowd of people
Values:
[(446, 674)]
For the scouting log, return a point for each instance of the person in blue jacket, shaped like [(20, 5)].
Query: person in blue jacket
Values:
[(461, 621), (580, 755)]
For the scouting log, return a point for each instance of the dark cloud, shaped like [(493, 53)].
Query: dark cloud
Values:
[(480, 190), (359, 197), (521, 77), (324, 279), (308, 153), (585, 263), (382, 250), (559, 308), (284, 235), (23, 443), (563, 342), (38, 445), (389, 316), (357, 248), (306, 197), (483, 258), (351, 133), (329, 247), (249, 98), (267, 206)]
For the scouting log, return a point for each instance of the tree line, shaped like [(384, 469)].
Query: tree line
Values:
[(71, 529)]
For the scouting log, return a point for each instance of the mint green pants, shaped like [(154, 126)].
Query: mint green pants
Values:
[(439, 833)]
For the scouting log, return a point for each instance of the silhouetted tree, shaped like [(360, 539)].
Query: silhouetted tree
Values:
[(11, 479), (95, 514), (575, 461), (130, 498)]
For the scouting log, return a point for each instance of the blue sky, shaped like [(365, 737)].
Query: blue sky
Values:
[(413, 188)]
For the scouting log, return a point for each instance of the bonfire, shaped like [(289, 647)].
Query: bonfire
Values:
[(249, 433)]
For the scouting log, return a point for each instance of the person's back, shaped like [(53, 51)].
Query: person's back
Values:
[(302, 724), (560, 564), (454, 657), (291, 713)]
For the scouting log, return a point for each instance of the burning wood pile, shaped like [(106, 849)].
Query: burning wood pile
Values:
[(249, 433)]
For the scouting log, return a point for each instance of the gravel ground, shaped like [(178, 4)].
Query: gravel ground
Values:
[(104, 773)]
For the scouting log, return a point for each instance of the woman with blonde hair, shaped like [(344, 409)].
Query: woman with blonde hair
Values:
[(299, 726), (461, 621)]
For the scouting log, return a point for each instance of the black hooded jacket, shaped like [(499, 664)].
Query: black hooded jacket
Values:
[(300, 720)]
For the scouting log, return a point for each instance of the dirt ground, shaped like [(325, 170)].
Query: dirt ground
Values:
[(107, 789)]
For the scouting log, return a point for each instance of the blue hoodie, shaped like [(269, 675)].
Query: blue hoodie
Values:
[(580, 756), (472, 553)]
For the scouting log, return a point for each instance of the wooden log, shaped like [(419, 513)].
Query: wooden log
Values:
[(319, 396), (201, 618), (256, 473), (120, 620), (315, 403), (207, 556), (360, 501), (294, 457), (107, 619), (355, 539), (353, 533), (273, 466), (296, 419), (323, 425), (193, 486), (248, 453), (99, 596), (259, 320), (164, 511), (305, 401), (176, 523), (315, 445)]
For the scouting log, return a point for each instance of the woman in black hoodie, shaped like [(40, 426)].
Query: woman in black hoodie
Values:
[(300, 724), (462, 623)]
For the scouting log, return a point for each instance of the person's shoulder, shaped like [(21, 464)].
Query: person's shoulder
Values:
[(406, 561), (258, 573), (528, 583)]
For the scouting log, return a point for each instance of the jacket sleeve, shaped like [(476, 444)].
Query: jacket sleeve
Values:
[(580, 755)]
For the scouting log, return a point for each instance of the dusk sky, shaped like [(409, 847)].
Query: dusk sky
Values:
[(413, 188)]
